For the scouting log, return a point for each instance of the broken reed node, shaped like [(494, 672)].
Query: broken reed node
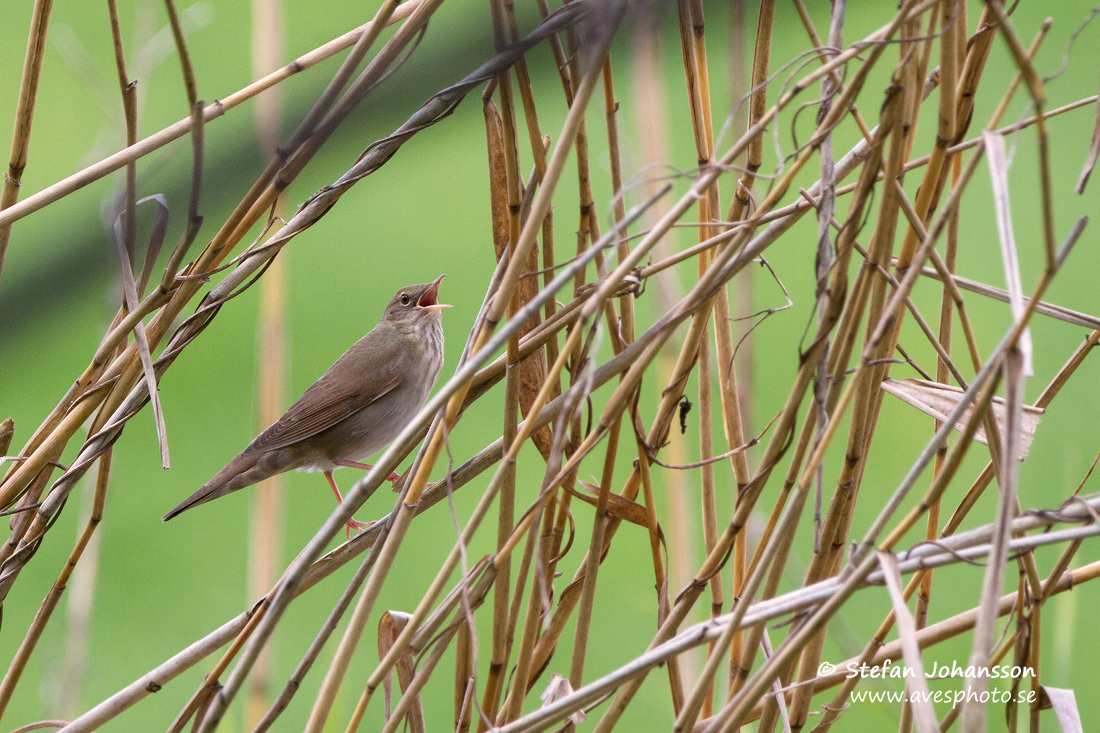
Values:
[(674, 333)]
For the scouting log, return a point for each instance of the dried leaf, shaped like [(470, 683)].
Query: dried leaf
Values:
[(498, 176), (156, 240), (557, 688), (389, 628), (532, 370), (923, 713), (938, 400), (130, 294), (1064, 704), (7, 432), (617, 506)]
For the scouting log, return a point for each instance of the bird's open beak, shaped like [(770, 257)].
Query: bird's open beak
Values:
[(429, 300)]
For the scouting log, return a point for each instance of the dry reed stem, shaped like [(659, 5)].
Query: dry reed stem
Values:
[(950, 53), (941, 631), (838, 704), (25, 546), (45, 611), (649, 120), (866, 398), (173, 132), (504, 213), (693, 44), (434, 445), (267, 519), (771, 454), (727, 265), (824, 124), (1010, 339), (974, 543), (24, 114), (126, 235), (139, 396), (121, 372), (696, 73)]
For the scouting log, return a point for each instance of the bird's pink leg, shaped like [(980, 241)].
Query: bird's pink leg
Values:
[(351, 524), (392, 478)]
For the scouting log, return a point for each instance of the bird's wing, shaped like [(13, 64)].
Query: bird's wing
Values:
[(347, 387)]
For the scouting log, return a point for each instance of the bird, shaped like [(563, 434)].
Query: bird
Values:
[(355, 409)]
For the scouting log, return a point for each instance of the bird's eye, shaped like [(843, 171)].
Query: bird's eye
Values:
[(404, 298)]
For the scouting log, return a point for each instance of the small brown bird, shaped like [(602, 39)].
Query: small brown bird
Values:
[(355, 409)]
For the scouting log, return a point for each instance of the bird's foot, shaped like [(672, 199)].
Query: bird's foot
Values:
[(355, 526)]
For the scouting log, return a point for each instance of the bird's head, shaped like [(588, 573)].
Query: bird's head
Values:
[(416, 306)]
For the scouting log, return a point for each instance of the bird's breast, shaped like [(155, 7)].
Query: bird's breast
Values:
[(435, 349), (375, 426)]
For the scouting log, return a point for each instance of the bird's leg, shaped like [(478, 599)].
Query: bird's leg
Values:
[(392, 478), (351, 524)]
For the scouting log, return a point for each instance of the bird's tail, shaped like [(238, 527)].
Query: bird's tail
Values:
[(229, 479)]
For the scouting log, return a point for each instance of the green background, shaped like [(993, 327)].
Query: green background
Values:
[(161, 586)]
